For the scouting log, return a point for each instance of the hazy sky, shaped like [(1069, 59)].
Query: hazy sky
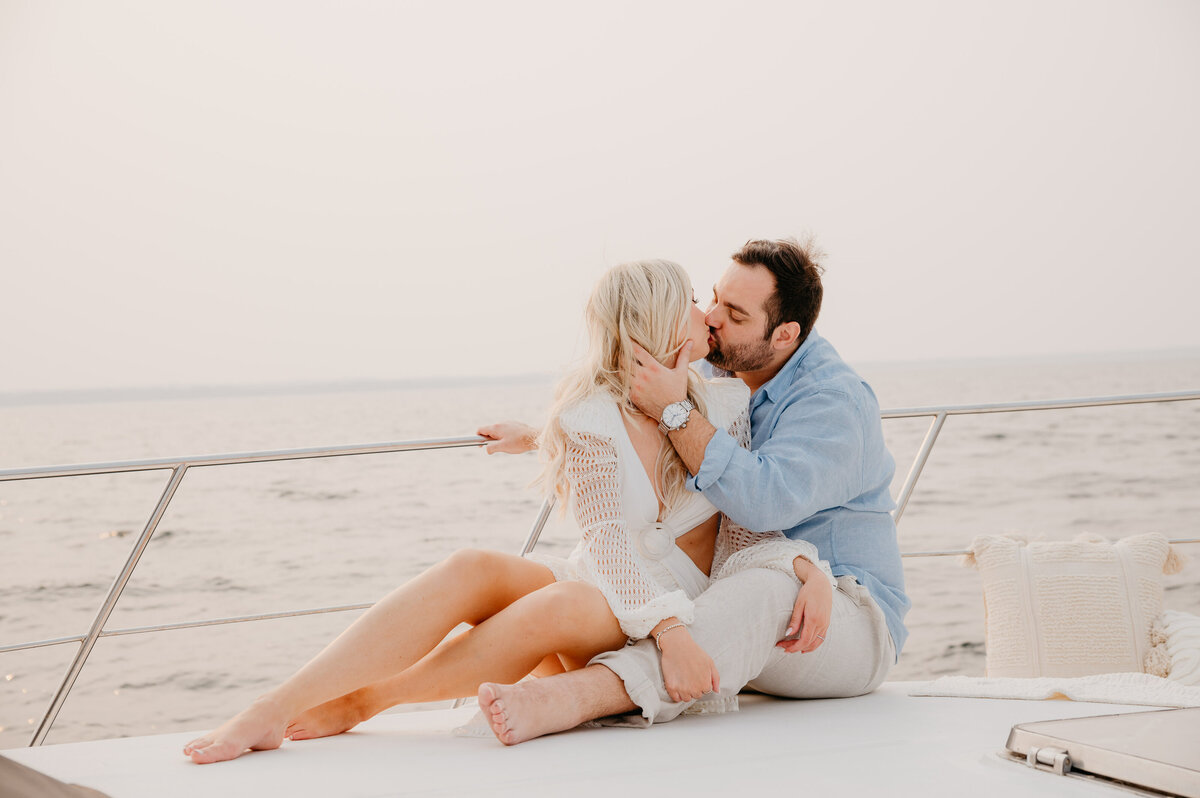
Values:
[(224, 192)]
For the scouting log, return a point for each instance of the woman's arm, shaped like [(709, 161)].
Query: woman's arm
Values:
[(812, 610), (688, 671), (738, 548), (608, 557)]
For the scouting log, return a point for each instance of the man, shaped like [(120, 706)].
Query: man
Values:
[(817, 468)]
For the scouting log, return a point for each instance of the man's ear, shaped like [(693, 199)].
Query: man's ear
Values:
[(785, 335)]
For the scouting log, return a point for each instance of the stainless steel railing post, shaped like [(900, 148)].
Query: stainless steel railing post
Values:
[(539, 523), (110, 602), (531, 540), (914, 472)]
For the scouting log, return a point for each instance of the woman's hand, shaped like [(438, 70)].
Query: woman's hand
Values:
[(688, 671), (811, 613), (509, 437)]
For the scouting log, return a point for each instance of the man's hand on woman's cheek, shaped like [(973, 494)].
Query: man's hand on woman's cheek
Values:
[(654, 385)]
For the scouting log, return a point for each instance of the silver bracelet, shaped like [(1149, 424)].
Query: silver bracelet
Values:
[(662, 632)]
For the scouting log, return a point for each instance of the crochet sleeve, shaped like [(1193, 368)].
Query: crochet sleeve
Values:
[(608, 557), (738, 549)]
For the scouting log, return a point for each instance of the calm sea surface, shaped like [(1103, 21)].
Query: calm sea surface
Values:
[(239, 540)]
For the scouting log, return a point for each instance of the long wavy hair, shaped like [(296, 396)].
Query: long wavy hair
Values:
[(646, 302)]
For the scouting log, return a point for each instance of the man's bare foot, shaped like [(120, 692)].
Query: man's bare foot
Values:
[(258, 727), (332, 717), (523, 711)]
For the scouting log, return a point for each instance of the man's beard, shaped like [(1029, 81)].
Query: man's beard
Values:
[(745, 357)]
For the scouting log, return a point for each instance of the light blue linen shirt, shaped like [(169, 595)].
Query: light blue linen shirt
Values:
[(818, 469)]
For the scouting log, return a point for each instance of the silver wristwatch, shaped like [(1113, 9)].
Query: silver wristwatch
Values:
[(675, 415)]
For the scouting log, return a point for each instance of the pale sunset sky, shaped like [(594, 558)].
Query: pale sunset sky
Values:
[(229, 192)]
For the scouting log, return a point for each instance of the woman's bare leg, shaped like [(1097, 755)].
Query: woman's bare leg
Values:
[(343, 714), (567, 617), (469, 586)]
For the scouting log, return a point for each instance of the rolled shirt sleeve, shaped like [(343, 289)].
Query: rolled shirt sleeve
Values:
[(812, 461)]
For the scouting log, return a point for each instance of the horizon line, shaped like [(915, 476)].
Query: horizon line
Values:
[(217, 390)]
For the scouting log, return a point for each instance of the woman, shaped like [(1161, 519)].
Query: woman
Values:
[(646, 549)]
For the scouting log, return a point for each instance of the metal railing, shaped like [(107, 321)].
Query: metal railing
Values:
[(180, 466), (940, 414)]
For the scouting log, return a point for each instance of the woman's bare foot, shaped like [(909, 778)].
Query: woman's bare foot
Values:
[(332, 717), (523, 711), (258, 727)]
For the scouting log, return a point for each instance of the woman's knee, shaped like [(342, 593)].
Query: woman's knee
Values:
[(496, 569), (472, 562), (567, 609), (492, 580)]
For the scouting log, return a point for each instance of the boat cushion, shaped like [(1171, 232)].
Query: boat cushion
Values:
[(1071, 608)]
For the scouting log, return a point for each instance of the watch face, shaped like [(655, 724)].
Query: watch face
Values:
[(674, 415)]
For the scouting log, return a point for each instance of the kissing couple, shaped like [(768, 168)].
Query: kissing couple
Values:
[(735, 531)]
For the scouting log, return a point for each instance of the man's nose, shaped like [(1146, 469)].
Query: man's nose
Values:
[(710, 318)]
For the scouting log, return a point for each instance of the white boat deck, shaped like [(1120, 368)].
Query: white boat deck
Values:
[(884, 743)]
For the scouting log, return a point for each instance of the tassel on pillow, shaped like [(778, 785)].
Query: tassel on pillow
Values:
[(1175, 561), (1158, 660)]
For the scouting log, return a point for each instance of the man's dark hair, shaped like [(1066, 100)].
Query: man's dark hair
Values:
[(797, 275)]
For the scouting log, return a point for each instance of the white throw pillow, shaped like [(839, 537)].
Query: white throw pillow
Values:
[(1073, 608)]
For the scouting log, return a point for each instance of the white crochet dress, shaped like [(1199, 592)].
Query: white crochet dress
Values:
[(625, 549)]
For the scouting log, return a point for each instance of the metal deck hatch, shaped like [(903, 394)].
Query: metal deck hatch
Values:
[(1156, 750)]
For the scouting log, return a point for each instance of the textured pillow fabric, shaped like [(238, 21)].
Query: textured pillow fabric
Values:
[(1070, 608), (1177, 637)]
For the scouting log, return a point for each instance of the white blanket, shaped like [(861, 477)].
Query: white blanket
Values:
[(1139, 689)]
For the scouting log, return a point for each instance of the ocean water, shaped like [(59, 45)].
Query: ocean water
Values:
[(271, 537)]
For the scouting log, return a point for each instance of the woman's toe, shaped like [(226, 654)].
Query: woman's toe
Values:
[(196, 745)]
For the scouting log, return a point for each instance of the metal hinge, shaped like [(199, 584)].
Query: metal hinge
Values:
[(1054, 759)]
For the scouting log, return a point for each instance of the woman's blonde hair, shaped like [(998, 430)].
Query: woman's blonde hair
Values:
[(646, 302)]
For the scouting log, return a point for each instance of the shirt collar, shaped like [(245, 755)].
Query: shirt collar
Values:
[(786, 376)]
